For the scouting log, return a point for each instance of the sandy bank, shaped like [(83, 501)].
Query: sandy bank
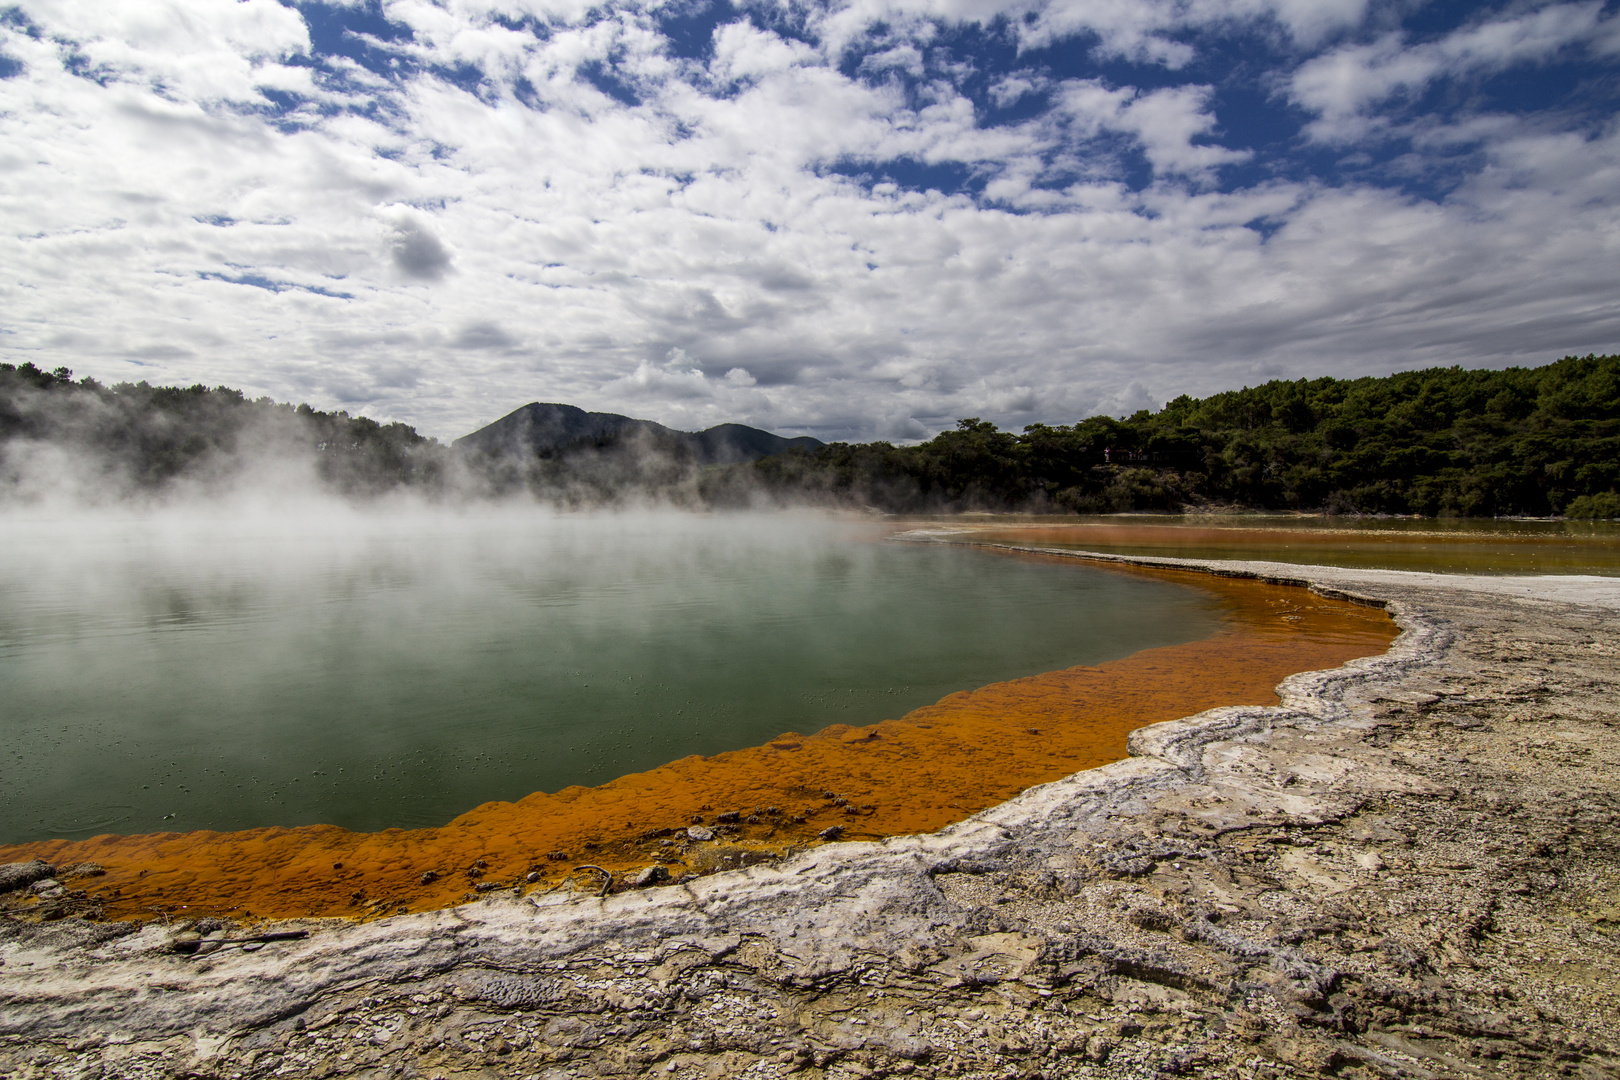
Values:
[(1408, 867)]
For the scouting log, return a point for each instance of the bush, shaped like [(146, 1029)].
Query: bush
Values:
[(1606, 505)]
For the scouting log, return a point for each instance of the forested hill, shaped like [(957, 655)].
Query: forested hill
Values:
[(61, 437), (133, 437), (1523, 441)]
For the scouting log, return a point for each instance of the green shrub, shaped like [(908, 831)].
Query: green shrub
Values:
[(1606, 505)]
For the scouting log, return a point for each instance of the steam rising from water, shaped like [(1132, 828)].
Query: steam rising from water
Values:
[(234, 664), (67, 444)]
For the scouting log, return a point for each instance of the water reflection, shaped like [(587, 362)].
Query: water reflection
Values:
[(374, 671)]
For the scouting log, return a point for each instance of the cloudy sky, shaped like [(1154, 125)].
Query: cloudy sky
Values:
[(854, 219)]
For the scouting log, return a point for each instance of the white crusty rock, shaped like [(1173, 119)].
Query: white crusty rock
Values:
[(1408, 864)]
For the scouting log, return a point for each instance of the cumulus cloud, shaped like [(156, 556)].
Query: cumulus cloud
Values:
[(1165, 123), (484, 335), (742, 51), (192, 51), (1342, 84), (816, 225), (417, 253), (662, 383)]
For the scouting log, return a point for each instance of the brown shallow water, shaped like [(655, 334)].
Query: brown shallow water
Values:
[(1466, 545), (933, 766)]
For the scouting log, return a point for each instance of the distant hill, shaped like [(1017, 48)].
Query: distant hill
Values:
[(543, 427)]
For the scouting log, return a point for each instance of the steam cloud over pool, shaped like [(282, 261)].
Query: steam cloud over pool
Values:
[(177, 670)]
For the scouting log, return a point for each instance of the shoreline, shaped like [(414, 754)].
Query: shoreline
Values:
[(1258, 891), (916, 773)]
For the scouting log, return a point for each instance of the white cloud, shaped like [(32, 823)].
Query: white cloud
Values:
[(1014, 88), (741, 51), (1606, 38), (907, 58), (1164, 121), (1307, 22), (194, 49), (661, 383), (1143, 31), (1342, 84), (445, 256)]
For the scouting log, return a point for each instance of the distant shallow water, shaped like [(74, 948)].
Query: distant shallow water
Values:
[(179, 672), (1454, 545)]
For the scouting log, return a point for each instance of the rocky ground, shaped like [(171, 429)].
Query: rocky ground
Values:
[(1411, 868)]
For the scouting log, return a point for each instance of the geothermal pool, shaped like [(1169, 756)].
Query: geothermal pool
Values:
[(184, 671)]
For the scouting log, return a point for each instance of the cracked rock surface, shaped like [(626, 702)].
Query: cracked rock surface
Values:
[(1409, 868)]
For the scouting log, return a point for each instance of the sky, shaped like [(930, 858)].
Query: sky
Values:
[(858, 219)]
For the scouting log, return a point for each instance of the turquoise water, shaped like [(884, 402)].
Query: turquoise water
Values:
[(178, 671)]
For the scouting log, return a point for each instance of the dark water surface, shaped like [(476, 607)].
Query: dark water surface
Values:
[(172, 672)]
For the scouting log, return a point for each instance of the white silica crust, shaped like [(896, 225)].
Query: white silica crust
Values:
[(1085, 890)]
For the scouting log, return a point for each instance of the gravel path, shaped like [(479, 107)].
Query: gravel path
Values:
[(1410, 868)]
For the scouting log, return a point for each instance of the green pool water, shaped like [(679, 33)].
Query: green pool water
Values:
[(188, 671)]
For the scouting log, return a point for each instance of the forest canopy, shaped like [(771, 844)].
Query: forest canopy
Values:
[(1444, 441)]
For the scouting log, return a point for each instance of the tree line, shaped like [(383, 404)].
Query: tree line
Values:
[(1445, 441), (131, 438)]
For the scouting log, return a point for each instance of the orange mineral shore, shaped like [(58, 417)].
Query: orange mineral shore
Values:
[(931, 767)]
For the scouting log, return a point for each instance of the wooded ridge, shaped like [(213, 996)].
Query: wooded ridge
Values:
[(1443, 441)]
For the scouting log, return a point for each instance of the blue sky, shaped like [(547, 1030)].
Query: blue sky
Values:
[(854, 220)]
